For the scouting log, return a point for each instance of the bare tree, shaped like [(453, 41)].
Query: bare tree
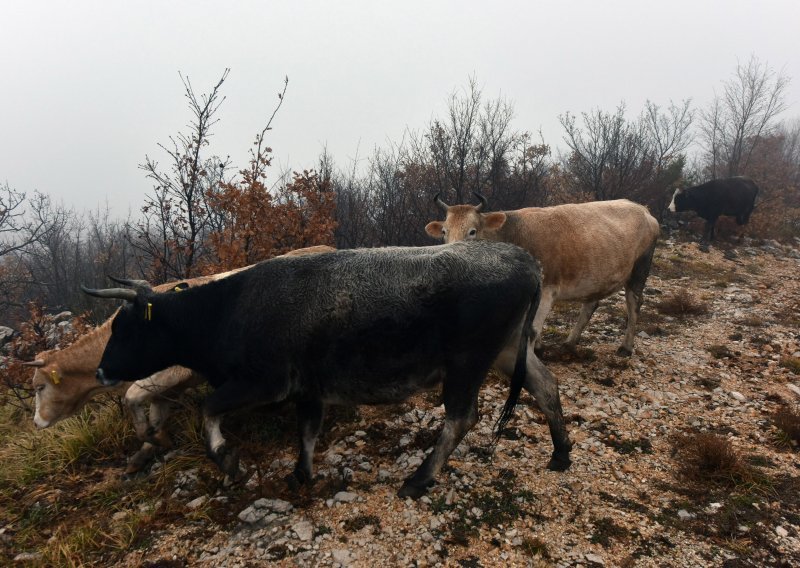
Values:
[(612, 157), (608, 154), (735, 122), (176, 214), (23, 224)]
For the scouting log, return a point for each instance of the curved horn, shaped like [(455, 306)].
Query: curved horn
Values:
[(130, 282), (114, 293), (440, 203), (483, 201), (35, 363)]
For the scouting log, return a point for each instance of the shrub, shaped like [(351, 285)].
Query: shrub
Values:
[(707, 457), (787, 420), (682, 303)]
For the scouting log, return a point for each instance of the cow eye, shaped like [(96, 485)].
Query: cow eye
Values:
[(444, 231), (472, 232), (40, 387)]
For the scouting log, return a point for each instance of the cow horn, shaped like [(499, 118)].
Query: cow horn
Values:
[(130, 282), (483, 201), (114, 293), (439, 202), (34, 363)]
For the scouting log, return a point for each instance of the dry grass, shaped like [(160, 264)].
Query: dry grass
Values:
[(752, 321), (719, 351), (787, 420), (709, 458), (682, 303), (791, 363)]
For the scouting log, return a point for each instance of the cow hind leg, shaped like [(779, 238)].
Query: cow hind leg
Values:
[(634, 296), (543, 386), (587, 309), (541, 383), (309, 423), (461, 414)]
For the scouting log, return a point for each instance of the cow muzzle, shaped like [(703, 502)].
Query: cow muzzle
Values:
[(103, 380)]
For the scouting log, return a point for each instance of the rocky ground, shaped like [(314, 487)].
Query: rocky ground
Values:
[(647, 486)]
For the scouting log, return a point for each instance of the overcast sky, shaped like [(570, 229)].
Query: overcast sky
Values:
[(88, 88)]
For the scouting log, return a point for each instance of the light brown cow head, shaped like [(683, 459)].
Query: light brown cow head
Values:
[(465, 222), (63, 383)]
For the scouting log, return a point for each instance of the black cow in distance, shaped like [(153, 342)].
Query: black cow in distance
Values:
[(734, 196)]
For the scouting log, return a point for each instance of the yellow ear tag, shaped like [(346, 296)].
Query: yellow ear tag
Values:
[(148, 315), (178, 289), (54, 377)]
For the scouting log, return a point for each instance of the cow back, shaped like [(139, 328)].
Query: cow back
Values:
[(586, 250)]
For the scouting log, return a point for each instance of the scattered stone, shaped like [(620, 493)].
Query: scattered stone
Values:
[(333, 458), (738, 396), (260, 510), (6, 333), (781, 532), (794, 388), (197, 503), (342, 556), (304, 530), (595, 559), (345, 497), (685, 515)]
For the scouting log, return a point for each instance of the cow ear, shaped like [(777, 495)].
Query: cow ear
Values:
[(494, 221), (434, 229)]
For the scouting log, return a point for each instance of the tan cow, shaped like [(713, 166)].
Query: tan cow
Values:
[(587, 251), (64, 381)]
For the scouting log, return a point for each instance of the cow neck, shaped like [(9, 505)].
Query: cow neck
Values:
[(191, 318), (83, 356)]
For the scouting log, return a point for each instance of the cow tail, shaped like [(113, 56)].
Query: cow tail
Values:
[(520, 367)]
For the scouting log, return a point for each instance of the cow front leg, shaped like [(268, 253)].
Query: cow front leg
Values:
[(587, 309), (234, 395), (226, 458), (137, 396), (141, 458), (461, 414), (541, 383), (545, 305), (309, 422)]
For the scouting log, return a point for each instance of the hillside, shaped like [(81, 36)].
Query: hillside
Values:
[(684, 455)]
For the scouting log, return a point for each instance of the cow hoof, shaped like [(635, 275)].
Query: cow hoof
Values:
[(559, 463), (414, 491), (297, 478), (624, 351), (161, 439), (703, 247), (227, 461)]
